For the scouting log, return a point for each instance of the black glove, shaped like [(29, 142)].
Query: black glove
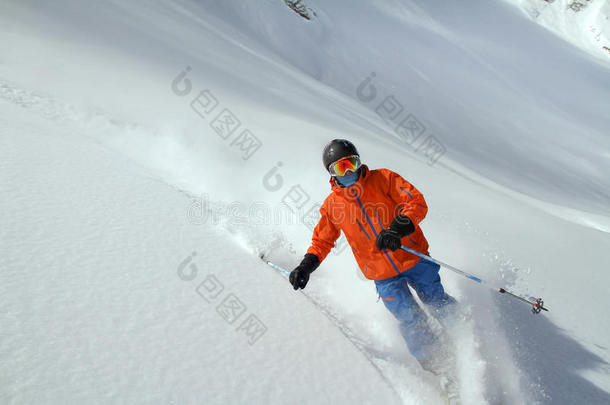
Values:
[(300, 275), (390, 238)]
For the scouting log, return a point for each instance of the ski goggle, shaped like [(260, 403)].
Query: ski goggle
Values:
[(342, 166)]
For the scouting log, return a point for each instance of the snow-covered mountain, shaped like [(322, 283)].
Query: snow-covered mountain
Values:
[(150, 151), (584, 23)]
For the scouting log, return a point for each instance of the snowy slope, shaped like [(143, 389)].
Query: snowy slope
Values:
[(501, 94), (519, 197), (585, 23), (96, 308)]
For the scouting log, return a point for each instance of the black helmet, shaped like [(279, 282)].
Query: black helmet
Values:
[(338, 149)]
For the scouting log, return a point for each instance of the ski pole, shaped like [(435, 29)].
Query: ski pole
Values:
[(536, 303), (275, 266)]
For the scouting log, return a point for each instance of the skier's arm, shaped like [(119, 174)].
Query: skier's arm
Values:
[(410, 210), (324, 235), (323, 240), (410, 202)]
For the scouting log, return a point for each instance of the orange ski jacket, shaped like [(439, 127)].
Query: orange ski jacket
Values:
[(361, 212)]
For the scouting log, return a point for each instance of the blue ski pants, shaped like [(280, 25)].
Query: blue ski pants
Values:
[(395, 293)]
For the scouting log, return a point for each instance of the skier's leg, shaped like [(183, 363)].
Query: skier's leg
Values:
[(413, 326), (424, 278)]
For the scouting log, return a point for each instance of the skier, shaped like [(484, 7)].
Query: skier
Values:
[(378, 211)]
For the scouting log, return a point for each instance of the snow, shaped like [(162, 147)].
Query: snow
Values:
[(583, 23), (111, 180), (96, 311)]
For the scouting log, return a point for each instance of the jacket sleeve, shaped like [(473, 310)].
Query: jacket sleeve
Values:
[(409, 200), (324, 235)]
